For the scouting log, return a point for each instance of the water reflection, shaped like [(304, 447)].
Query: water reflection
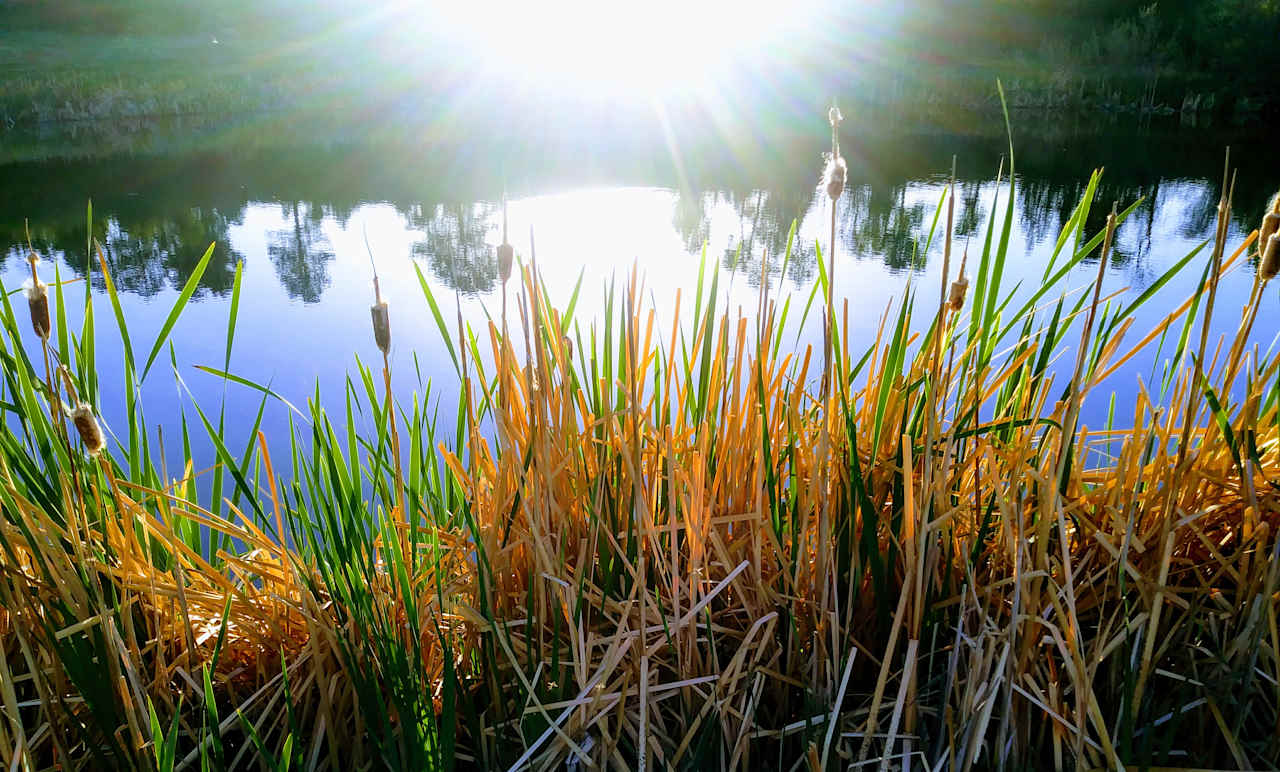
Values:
[(146, 254), (455, 244), (301, 253), (156, 216)]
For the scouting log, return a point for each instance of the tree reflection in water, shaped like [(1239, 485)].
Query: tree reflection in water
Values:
[(156, 215), (301, 254), (455, 244)]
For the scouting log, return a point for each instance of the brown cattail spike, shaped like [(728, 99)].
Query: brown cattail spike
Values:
[(90, 431), (37, 293), (1270, 223), (1270, 264), (506, 253), (958, 289), (381, 325)]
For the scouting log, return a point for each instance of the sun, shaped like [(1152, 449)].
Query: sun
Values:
[(652, 48)]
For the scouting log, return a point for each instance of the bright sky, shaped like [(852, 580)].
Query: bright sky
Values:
[(652, 46)]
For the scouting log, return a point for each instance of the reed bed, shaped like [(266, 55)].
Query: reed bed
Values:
[(686, 548)]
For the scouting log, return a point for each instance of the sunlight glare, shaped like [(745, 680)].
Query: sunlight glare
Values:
[(662, 46)]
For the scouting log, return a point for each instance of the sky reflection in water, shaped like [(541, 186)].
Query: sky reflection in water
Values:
[(307, 279)]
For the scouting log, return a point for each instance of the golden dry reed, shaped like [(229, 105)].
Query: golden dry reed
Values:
[(678, 553)]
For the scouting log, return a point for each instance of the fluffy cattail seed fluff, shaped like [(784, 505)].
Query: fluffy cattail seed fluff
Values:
[(90, 431), (1270, 265), (37, 293), (958, 289), (835, 176), (381, 325)]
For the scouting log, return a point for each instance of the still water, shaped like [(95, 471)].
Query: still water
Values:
[(305, 218)]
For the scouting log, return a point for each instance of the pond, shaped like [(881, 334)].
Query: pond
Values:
[(305, 215)]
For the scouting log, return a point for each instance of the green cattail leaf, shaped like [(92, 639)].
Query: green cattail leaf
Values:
[(246, 382), (114, 297), (435, 313), (1219, 413), (235, 310), (64, 344), (1002, 249), (573, 303), (1057, 277), (176, 311), (1155, 287)]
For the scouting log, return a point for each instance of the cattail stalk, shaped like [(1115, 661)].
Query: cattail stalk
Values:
[(833, 180), (1166, 533), (506, 257), (37, 293), (380, 315)]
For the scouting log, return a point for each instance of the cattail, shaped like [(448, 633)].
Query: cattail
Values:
[(836, 171), (835, 176), (567, 342), (381, 325), (37, 293), (506, 252), (90, 431), (1270, 223), (1270, 265), (958, 289)]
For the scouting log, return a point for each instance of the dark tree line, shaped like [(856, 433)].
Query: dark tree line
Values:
[(1046, 51)]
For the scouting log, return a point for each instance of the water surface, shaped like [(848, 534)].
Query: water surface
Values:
[(304, 216)]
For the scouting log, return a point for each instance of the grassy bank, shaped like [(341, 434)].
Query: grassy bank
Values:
[(697, 547), (85, 60), (56, 75)]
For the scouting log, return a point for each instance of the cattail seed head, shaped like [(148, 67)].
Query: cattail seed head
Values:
[(958, 289), (834, 117), (1270, 225), (834, 176), (381, 325), (567, 342), (1270, 264), (506, 254), (37, 293), (90, 431)]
